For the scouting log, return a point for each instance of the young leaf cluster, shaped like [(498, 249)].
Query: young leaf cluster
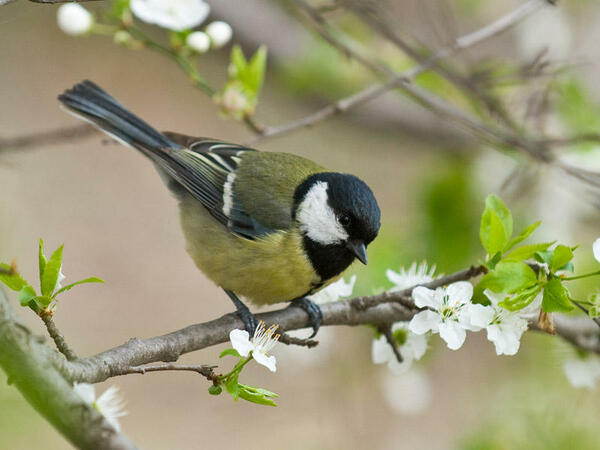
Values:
[(522, 272), (49, 276)]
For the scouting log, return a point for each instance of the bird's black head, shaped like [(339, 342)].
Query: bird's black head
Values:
[(338, 216)]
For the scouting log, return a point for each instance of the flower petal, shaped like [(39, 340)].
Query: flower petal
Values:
[(453, 334), (459, 293), (267, 361), (85, 391), (416, 346), (494, 297), (381, 351), (505, 340), (398, 368), (474, 317), (424, 298), (596, 249), (424, 321), (240, 340)]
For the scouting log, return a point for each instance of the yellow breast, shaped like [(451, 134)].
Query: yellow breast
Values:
[(268, 270)]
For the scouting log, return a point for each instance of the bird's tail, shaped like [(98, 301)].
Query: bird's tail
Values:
[(91, 103)]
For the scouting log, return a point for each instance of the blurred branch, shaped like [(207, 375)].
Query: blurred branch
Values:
[(33, 369), (396, 80), (47, 137)]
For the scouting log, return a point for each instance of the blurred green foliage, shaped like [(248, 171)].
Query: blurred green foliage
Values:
[(450, 219)]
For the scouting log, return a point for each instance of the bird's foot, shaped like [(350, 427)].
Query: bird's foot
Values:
[(250, 322), (313, 310), (249, 319)]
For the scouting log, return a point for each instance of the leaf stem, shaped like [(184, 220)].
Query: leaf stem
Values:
[(591, 274)]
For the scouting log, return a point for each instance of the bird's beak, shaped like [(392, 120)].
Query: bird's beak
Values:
[(359, 250)]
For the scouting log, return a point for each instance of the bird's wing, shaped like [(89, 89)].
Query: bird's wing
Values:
[(251, 192), (207, 168)]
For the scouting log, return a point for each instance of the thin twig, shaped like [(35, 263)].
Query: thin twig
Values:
[(286, 339), (389, 337), (205, 370), (58, 338), (587, 313)]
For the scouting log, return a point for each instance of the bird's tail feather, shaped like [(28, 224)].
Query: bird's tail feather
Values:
[(92, 103)]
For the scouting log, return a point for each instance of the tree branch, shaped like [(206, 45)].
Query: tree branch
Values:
[(32, 368), (56, 336)]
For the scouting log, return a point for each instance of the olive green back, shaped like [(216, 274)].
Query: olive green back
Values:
[(265, 184)]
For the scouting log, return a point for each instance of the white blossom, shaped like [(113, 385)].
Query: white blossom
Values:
[(74, 19), (504, 327), (334, 291), (176, 15), (410, 345), (447, 314), (596, 249), (582, 372), (407, 394), (198, 41), (263, 340), (219, 32), (416, 274), (109, 404)]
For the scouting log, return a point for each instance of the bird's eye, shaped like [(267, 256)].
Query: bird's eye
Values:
[(344, 219)]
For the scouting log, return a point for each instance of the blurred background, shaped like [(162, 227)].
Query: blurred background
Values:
[(118, 222)]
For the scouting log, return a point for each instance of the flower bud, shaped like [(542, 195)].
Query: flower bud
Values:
[(219, 32), (198, 41), (74, 19), (215, 390)]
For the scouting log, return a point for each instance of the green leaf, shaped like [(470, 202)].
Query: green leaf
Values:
[(527, 251), (256, 70), (51, 272), (13, 281), (230, 352), (556, 297), (256, 395), (232, 386), (521, 300), (42, 261), (562, 256), (594, 312), (42, 300), (544, 257), (492, 233), (26, 295), (508, 277), (72, 285), (238, 62), (522, 236), (496, 225), (260, 391)]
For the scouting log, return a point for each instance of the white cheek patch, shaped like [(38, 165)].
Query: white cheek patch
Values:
[(317, 219)]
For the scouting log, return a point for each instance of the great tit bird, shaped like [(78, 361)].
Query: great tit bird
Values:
[(270, 227)]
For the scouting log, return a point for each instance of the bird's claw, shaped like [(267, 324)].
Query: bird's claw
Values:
[(313, 310)]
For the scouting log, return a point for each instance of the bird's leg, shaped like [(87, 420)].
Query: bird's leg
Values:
[(243, 312), (313, 310)]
